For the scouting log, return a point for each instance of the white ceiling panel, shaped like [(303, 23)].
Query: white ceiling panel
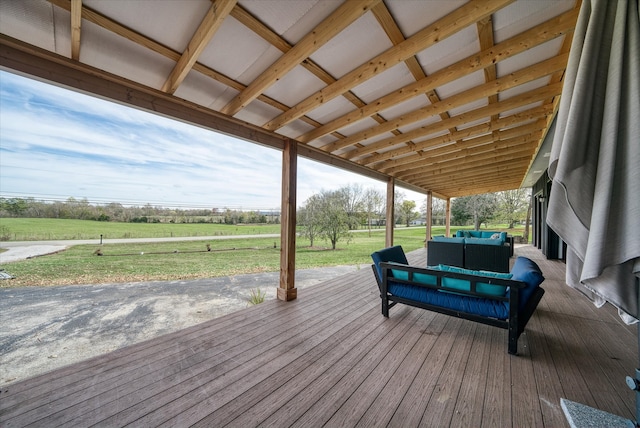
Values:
[(529, 57), (450, 50), (294, 86), (406, 107), (30, 21), (419, 124), (460, 85), (204, 91), (170, 23), (107, 51), (388, 81), (521, 89), (522, 15), (257, 113), (519, 109), (347, 48), (245, 58), (332, 109), (414, 15)]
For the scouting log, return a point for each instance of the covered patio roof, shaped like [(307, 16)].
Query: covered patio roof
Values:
[(448, 97)]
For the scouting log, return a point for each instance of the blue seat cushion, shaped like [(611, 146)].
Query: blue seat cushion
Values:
[(484, 307)]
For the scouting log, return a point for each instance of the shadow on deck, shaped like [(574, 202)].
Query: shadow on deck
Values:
[(331, 358)]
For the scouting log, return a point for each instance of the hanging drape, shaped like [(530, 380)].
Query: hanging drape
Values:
[(594, 204)]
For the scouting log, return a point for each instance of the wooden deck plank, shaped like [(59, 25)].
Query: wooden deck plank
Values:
[(331, 358), (409, 348), (443, 399), (395, 390), (210, 386), (525, 411), (323, 408), (497, 400), (470, 400)]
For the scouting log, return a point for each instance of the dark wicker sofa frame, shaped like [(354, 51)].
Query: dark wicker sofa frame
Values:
[(494, 258), (515, 323)]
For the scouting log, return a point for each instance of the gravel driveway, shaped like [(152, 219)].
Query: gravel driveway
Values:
[(42, 328)]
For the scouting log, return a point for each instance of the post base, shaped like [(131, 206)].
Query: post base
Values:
[(287, 294)]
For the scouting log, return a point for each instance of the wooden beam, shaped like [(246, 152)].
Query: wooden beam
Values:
[(462, 149), (56, 69), (429, 217), (208, 27), (428, 36), (524, 99), (388, 157), (448, 218), (391, 28), (391, 206), (76, 27), (535, 36), (519, 146), (113, 26), (287, 289), (510, 81), (486, 163), (341, 18), (451, 177), (465, 191)]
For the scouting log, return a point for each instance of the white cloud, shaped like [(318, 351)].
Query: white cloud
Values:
[(59, 143)]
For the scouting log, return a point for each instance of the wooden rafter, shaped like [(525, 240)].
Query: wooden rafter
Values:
[(398, 156), (441, 29), (347, 13), (370, 137), (535, 36), (76, 24), (461, 148), (521, 100), (210, 24)]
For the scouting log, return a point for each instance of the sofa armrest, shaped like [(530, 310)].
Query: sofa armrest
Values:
[(445, 253), (493, 258)]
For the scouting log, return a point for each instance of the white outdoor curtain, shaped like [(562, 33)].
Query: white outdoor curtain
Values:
[(594, 205)]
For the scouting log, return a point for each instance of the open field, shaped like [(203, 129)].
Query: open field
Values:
[(191, 259), (43, 229)]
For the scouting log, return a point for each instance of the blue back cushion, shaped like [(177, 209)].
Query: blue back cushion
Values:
[(483, 241), (390, 254), (527, 271), (481, 287), (447, 239)]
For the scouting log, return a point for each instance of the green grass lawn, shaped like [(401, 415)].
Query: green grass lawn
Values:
[(43, 229), (191, 260)]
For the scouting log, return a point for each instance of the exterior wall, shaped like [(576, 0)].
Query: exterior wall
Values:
[(544, 237)]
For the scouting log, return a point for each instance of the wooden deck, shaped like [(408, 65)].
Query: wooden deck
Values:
[(330, 358)]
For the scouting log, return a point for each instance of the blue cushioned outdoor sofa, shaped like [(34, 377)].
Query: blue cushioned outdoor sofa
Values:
[(505, 300)]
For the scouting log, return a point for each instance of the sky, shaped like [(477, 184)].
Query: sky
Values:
[(56, 143)]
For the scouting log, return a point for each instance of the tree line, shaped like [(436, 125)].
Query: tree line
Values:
[(82, 209), (331, 214)]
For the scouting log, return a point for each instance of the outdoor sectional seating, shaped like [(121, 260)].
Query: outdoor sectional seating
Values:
[(470, 253), (498, 299)]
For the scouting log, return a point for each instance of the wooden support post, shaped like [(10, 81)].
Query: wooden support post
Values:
[(428, 219), (448, 218), (391, 204), (287, 290)]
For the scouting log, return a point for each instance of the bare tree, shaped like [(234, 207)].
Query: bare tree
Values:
[(373, 203)]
